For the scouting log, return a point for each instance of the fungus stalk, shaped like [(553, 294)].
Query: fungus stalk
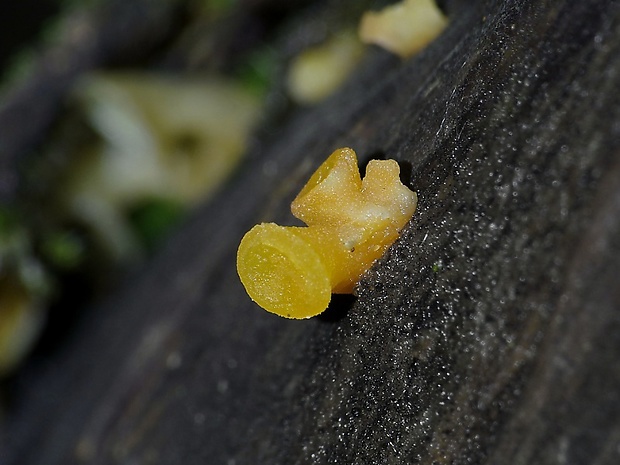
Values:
[(292, 271)]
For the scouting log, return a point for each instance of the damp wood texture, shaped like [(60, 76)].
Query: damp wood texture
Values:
[(488, 334)]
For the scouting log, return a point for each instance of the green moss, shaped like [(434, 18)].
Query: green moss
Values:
[(8, 221), (63, 249), (216, 6), (153, 220), (258, 71)]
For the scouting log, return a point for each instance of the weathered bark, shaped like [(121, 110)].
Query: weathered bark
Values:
[(488, 334)]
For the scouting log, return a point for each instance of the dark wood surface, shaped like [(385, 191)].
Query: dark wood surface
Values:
[(489, 333)]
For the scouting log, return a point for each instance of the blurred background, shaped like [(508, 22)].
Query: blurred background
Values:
[(489, 332), (118, 118)]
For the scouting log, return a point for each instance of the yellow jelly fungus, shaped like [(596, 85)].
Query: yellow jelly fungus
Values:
[(404, 28), (292, 271), (163, 137), (21, 321), (319, 71)]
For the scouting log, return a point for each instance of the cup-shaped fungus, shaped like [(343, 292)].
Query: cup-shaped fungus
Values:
[(292, 271)]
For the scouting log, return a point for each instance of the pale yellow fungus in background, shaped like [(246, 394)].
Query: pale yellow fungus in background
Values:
[(163, 137), (21, 321), (319, 71), (404, 28), (292, 271)]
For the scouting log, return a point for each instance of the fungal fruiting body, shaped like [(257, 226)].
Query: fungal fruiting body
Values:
[(404, 28), (163, 138), (319, 71), (21, 322), (292, 271)]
